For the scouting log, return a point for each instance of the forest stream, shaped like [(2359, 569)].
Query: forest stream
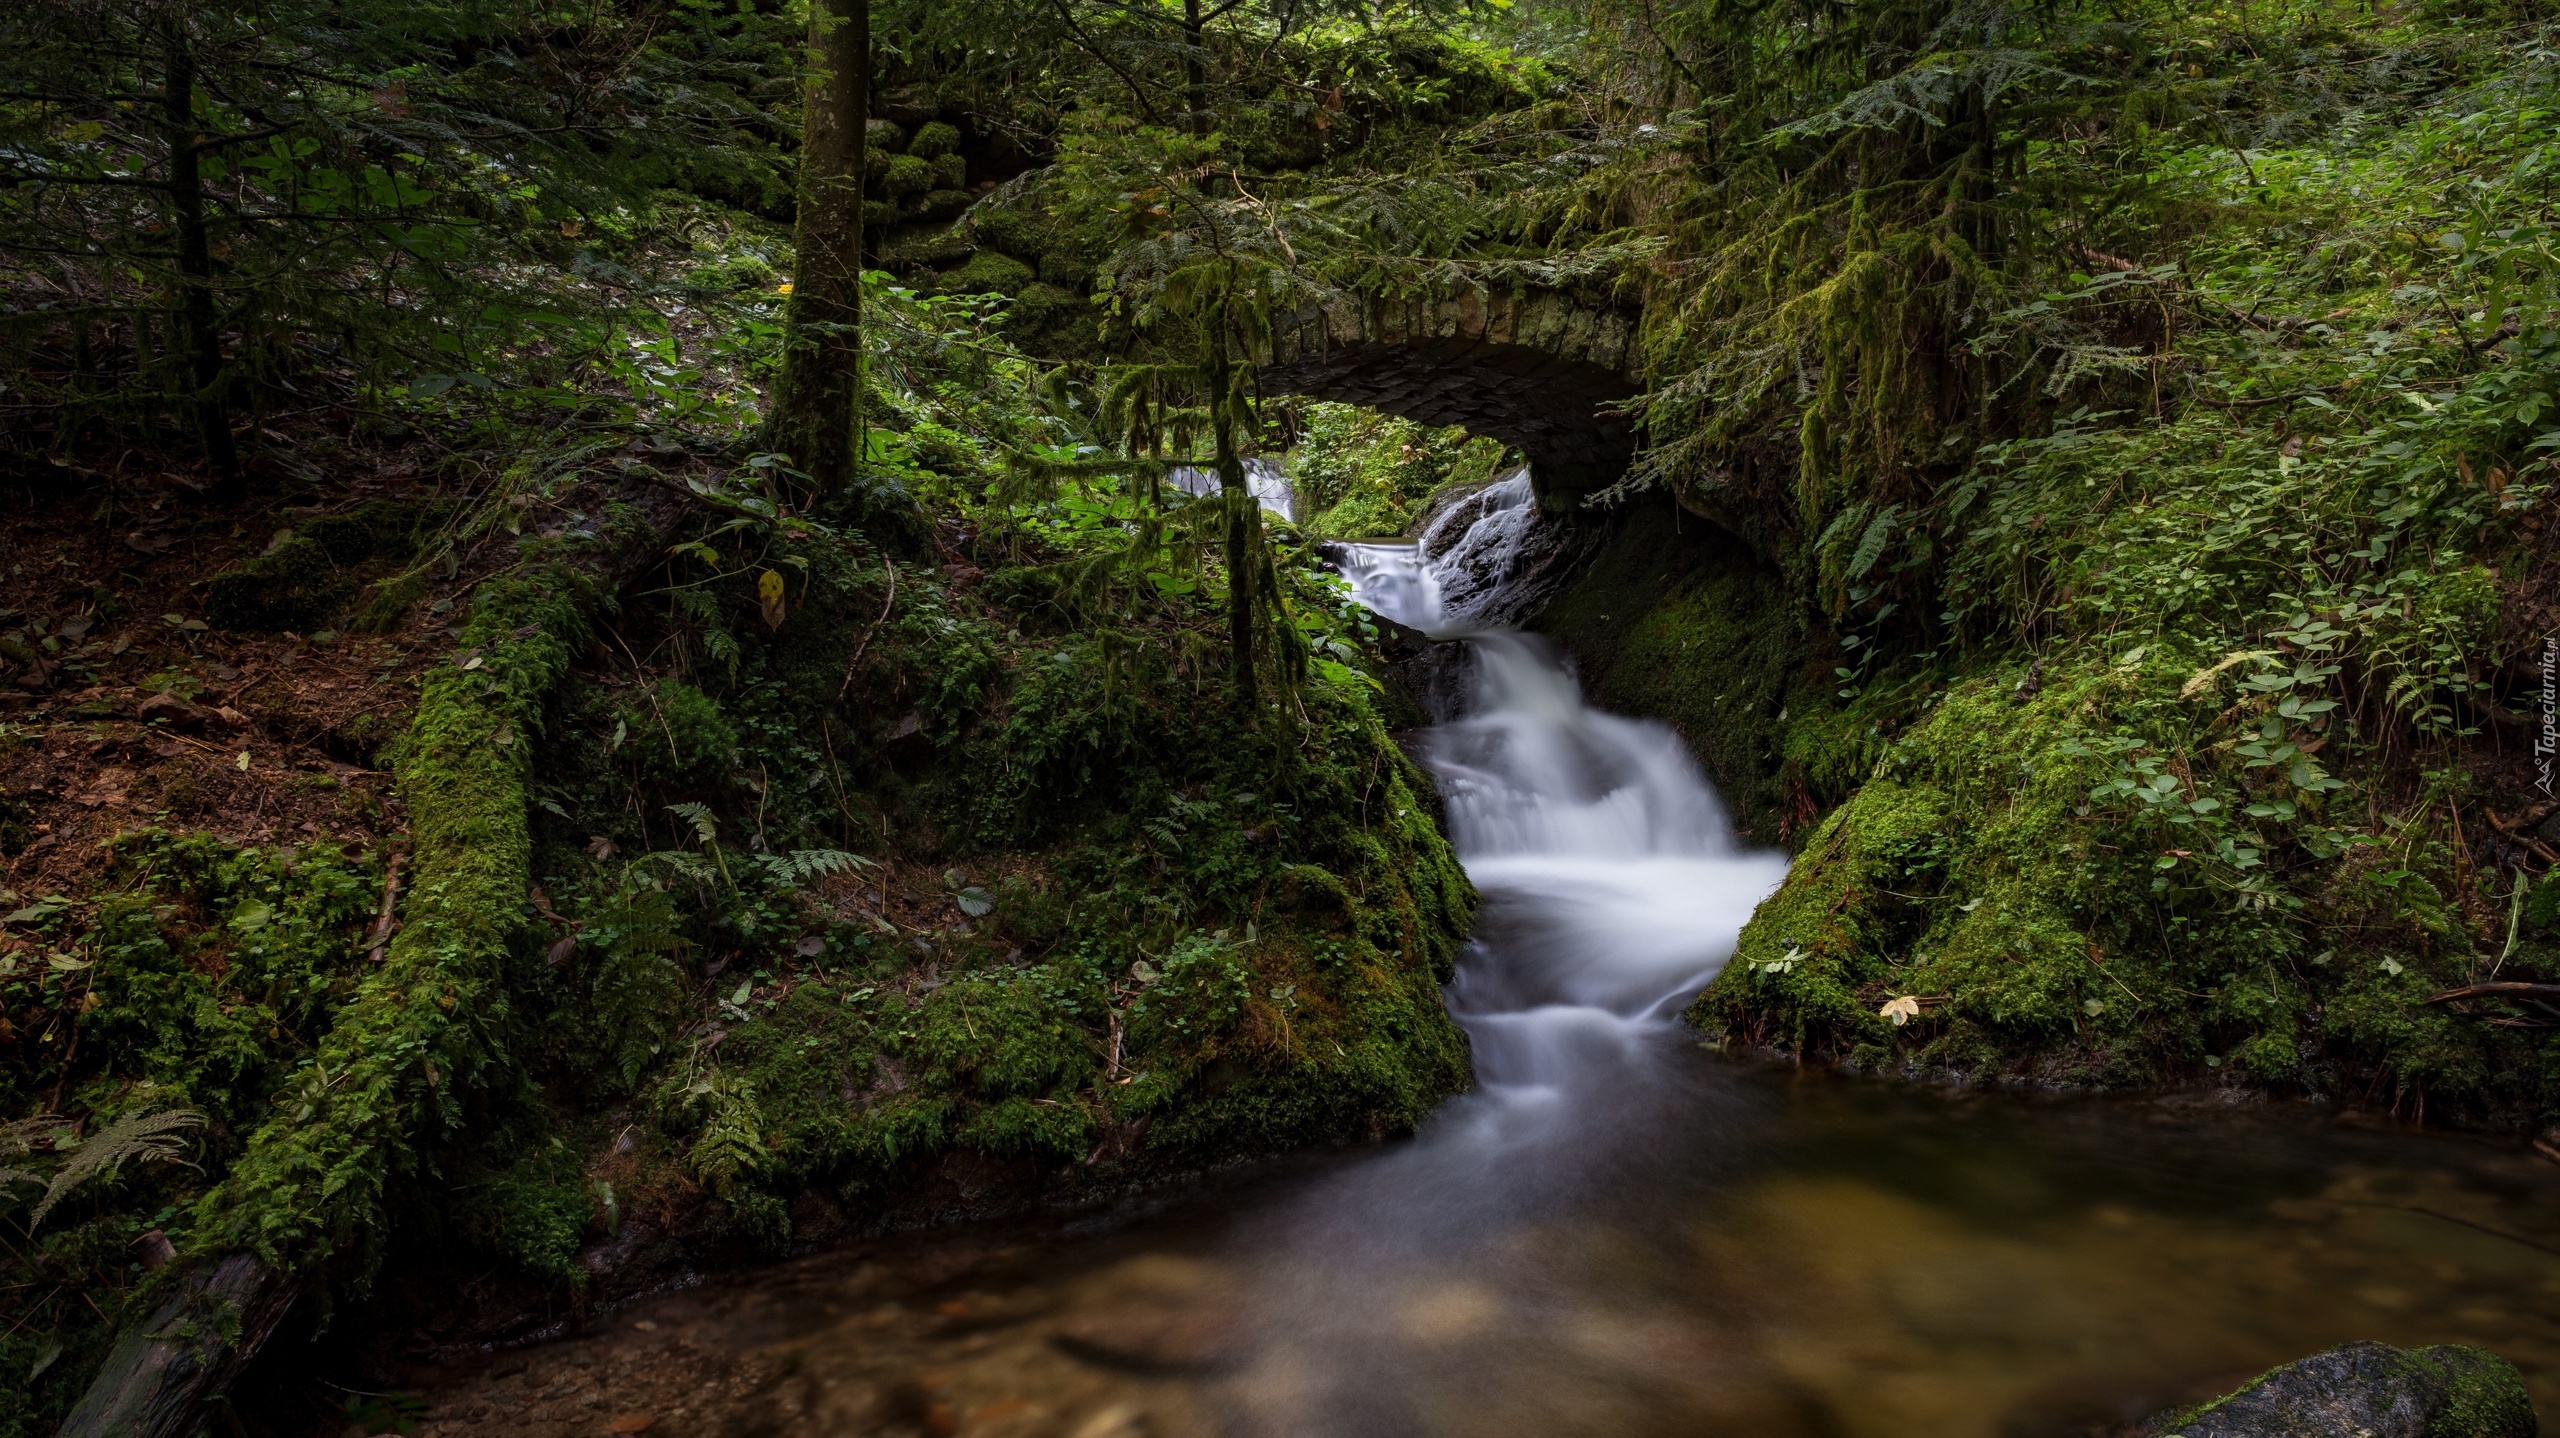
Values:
[(1279, 718), (1619, 1230)]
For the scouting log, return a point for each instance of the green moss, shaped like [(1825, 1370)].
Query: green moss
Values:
[(950, 172), (308, 575), (988, 272), (676, 731), (2452, 1390), (903, 175), (2484, 1396), (1020, 231), (934, 140), (936, 204), (537, 1214), (392, 1077), (1677, 620), (925, 244), (1065, 270)]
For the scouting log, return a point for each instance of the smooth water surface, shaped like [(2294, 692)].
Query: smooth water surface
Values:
[(1782, 1256), (1616, 1233)]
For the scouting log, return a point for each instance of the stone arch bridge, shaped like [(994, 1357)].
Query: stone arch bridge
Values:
[(1537, 370)]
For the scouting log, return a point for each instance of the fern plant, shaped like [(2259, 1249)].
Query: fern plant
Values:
[(138, 1137)]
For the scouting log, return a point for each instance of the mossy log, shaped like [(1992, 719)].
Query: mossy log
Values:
[(414, 1054)]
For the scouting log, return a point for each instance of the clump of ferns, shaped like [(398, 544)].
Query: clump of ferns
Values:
[(141, 1136)]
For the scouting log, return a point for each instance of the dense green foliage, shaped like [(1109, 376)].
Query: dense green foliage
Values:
[(2150, 435), (2093, 461)]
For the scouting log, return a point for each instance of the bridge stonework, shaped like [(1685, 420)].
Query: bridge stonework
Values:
[(1538, 370)]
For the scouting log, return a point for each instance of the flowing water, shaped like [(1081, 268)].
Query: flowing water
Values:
[(1617, 1232), (1265, 478)]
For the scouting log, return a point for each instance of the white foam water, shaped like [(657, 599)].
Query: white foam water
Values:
[(1614, 889), (1265, 478)]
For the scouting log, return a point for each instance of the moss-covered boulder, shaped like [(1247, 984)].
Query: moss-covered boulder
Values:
[(934, 140), (1040, 309), (1676, 619), (988, 272), (1017, 231), (903, 175), (1065, 269), (2370, 1390), (938, 204), (910, 245)]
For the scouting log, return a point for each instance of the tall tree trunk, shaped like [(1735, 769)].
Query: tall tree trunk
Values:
[(818, 398), (202, 337), (1244, 526), (1195, 72)]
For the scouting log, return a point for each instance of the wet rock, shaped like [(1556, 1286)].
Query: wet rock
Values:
[(1147, 1338), (2368, 1390)]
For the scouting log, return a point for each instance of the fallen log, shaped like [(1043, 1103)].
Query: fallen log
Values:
[(303, 1204)]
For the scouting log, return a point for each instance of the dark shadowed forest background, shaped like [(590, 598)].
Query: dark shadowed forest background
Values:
[(633, 634)]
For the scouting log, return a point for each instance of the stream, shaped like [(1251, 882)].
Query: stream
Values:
[(1618, 1231)]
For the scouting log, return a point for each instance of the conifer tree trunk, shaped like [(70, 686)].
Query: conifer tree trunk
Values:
[(1243, 522), (1195, 74), (818, 397), (202, 330)]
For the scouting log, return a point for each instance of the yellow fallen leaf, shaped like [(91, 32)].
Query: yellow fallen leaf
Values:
[(769, 596), (1902, 1010)]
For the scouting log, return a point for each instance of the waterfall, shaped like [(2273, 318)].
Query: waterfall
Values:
[(1613, 891), (1265, 478), (1613, 886)]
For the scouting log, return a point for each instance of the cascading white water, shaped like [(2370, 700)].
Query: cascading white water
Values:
[(1613, 890), (1266, 479), (1605, 858)]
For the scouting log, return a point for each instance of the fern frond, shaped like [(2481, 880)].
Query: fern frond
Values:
[(706, 825), (20, 1135), (802, 865), (142, 1137)]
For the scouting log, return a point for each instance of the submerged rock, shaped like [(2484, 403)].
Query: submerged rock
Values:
[(2368, 1390)]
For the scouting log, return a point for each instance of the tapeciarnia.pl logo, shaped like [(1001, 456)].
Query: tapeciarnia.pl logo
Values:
[(2546, 744)]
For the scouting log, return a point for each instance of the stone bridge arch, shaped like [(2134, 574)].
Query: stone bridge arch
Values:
[(1536, 370)]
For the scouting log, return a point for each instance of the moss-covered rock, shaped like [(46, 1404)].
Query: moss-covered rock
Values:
[(2370, 1390), (937, 204), (1065, 269), (934, 139), (988, 272), (903, 175), (1015, 229), (1677, 620), (911, 245), (1042, 314), (950, 171)]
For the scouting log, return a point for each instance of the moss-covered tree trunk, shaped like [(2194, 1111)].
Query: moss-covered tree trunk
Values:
[(817, 400), (414, 1056)]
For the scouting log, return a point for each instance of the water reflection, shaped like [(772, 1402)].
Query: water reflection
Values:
[(1787, 1255)]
